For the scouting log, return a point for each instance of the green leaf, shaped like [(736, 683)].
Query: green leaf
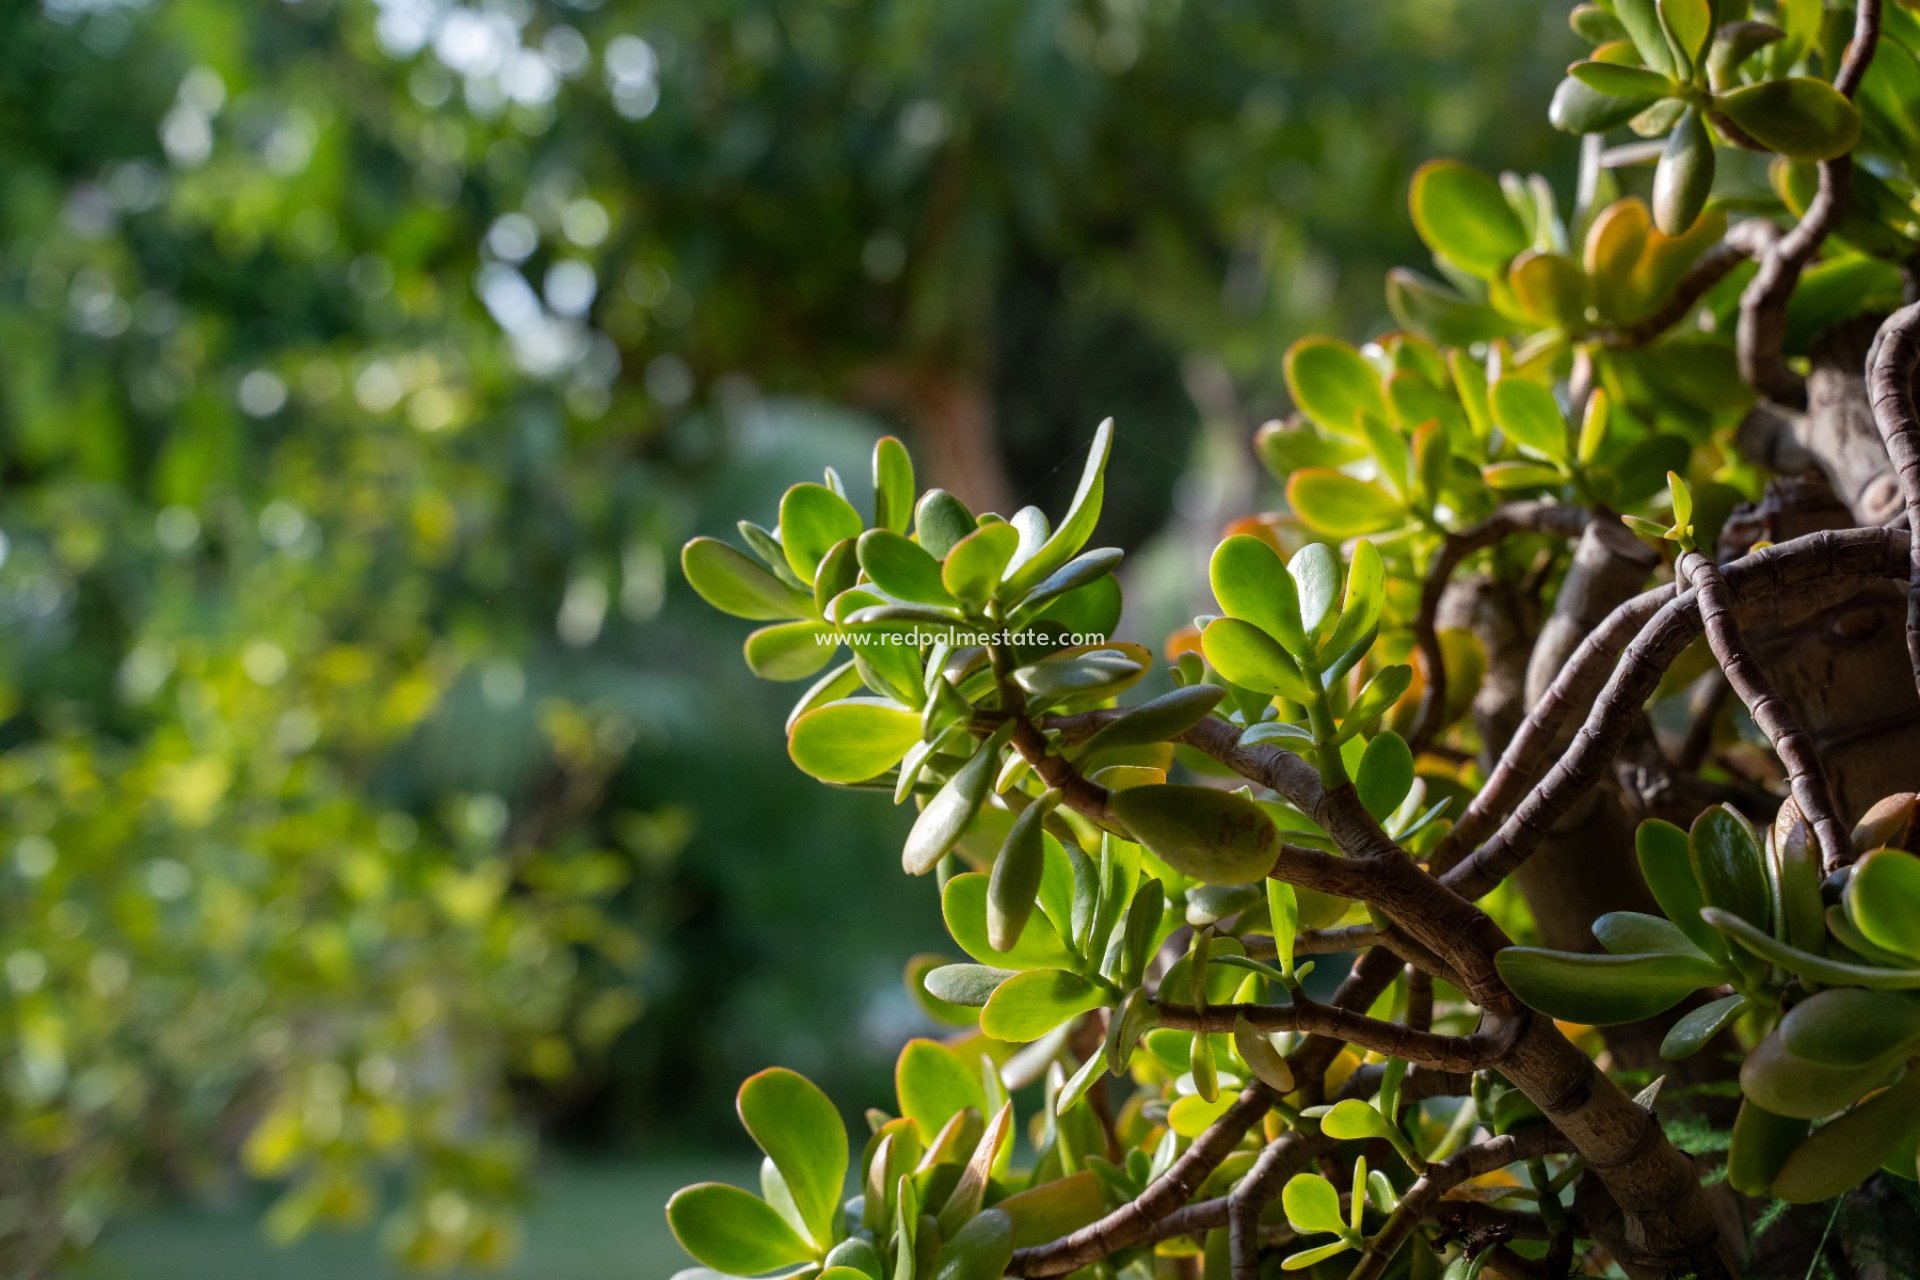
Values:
[(1283, 914), (1633, 933), (1617, 80), (893, 487), (1683, 179), (852, 740), (1551, 289), (1602, 990), (973, 567), (799, 1129), (1360, 608), (1641, 18), (1761, 1143), (1381, 692), (1352, 1119), (1083, 570), (734, 584), (857, 1255), (934, 1085), (1157, 720), (1528, 415), (939, 521), (1785, 1083), (1029, 1005), (1312, 1204), (1333, 384), (1667, 867), (733, 1231), (813, 518), (980, 1250), (1809, 966), (1385, 775), (1506, 476), (1341, 506), (947, 816), (964, 905), (1252, 659), (1690, 1034), (1435, 311), (1308, 1257), (1140, 931), (1799, 117), (1016, 875), (1267, 1063), (1285, 447), (967, 985), (1883, 898), (1317, 572), (1083, 513), (1215, 836), (1252, 583), (1053, 1209), (1729, 866), (1846, 1026), (902, 568), (791, 650), (1842, 1153), (1689, 24), (1464, 217)]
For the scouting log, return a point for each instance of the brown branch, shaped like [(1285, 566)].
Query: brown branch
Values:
[(1421, 1198), (1805, 775), (1890, 370), (1743, 243), (1760, 331), (1772, 583), (1550, 518), (1422, 1048)]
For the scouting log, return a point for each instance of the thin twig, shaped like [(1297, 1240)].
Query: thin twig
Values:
[(1805, 776)]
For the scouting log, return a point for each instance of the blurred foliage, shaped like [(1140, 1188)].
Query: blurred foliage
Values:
[(359, 361)]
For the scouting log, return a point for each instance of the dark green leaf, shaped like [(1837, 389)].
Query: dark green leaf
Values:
[(1214, 836), (1602, 989), (1799, 117), (947, 816), (1684, 177), (1385, 774), (1690, 1034), (940, 521), (1842, 1153), (1883, 899), (1729, 866), (1016, 877)]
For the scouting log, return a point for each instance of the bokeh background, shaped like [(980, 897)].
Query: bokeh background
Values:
[(398, 866)]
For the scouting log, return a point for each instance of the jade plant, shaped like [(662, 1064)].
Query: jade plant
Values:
[(1528, 792)]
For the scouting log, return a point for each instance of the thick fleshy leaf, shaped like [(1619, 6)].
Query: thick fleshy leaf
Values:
[(1342, 506), (1158, 719), (1333, 384), (947, 816), (799, 1129), (1648, 34), (1084, 570), (1525, 411), (1385, 774), (1688, 24), (1252, 583), (1317, 572), (979, 1250), (1083, 513), (1847, 1026), (1016, 875), (1729, 865), (1883, 899), (1352, 1119), (1789, 1085), (1815, 968), (1578, 107), (1464, 217), (1691, 1032), (902, 568), (1761, 1143), (853, 740), (1625, 933), (1602, 989), (1667, 867), (812, 519), (1308, 1257), (1249, 657), (1550, 289), (733, 1231), (933, 1085), (1683, 179), (1312, 1204), (892, 486), (1619, 80), (1799, 117), (966, 985), (1842, 1153), (972, 569), (1360, 606), (791, 650), (1026, 1007), (1214, 836), (1053, 1209), (732, 583), (1436, 311), (964, 905), (939, 521), (1381, 692)]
